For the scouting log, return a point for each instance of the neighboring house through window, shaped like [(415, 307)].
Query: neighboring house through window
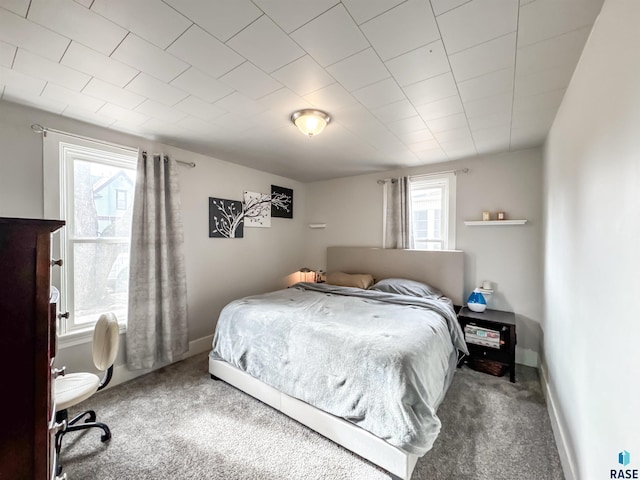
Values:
[(89, 186), (433, 211)]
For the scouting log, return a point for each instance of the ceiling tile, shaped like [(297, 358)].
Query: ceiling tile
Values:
[(477, 22), (539, 119), (544, 19), (40, 67), (150, 87), (23, 97), (487, 85), (152, 20), (432, 156), (459, 148), (407, 125), (72, 20), (355, 115), (490, 121), (501, 133), (97, 65), (240, 105), (55, 92), (20, 81), (543, 81), (363, 11), (441, 108), (197, 108), (17, 31), (543, 101), (120, 113), (85, 3), (395, 111), (451, 122), (331, 37), (159, 111), (331, 98), (291, 14), (487, 57), (251, 81), (492, 145), (284, 101), (459, 135), (359, 70), (144, 56), (442, 6), (204, 51), (418, 136), (7, 52), (419, 64), (110, 93), (266, 45), (489, 105), (88, 116), (19, 7), (424, 145), (222, 19), (380, 93), (201, 85), (563, 50), (303, 76), (432, 89), (401, 29)]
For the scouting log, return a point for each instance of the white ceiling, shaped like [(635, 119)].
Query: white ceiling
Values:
[(406, 82)]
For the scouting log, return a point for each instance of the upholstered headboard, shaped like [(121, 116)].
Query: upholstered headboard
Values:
[(441, 269)]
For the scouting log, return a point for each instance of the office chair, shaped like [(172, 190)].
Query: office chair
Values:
[(73, 388)]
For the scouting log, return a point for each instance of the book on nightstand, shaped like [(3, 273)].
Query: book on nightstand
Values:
[(481, 336)]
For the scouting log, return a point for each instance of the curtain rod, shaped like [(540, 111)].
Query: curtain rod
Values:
[(382, 181), (37, 128)]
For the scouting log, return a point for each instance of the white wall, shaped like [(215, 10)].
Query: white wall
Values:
[(218, 270), (509, 256), (592, 205)]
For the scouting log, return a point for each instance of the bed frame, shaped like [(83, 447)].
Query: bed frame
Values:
[(441, 269)]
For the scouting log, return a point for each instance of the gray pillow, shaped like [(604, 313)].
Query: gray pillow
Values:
[(402, 286)]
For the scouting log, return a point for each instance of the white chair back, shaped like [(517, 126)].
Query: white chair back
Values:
[(106, 339)]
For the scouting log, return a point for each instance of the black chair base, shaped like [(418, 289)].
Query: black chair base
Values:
[(73, 426)]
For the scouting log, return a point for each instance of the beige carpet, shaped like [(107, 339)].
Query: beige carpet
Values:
[(177, 423)]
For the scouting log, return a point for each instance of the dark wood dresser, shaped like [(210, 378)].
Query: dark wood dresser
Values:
[(27, 348)]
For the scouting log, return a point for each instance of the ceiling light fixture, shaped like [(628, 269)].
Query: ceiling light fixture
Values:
[(310, 122)]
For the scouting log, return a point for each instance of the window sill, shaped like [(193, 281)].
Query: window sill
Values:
[(80, 337)]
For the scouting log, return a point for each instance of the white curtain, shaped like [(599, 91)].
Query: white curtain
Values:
[(397, 221), (157, 328)]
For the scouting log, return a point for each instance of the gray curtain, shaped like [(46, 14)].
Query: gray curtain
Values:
[(157, 327), (397, 221)]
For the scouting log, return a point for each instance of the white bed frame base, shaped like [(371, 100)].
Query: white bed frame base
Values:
[(353, 438)]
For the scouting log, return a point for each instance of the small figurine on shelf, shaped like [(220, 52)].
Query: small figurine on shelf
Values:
[(500, 216), (486, 216)]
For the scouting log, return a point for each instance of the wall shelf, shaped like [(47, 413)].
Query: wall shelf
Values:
[(477, 223)]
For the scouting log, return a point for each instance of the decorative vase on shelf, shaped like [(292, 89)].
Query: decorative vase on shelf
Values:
[(476, 301)]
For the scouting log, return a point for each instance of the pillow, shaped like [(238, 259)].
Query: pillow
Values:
[(402, 286), (358, 280)]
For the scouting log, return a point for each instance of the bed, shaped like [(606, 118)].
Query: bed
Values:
[(366, 368)]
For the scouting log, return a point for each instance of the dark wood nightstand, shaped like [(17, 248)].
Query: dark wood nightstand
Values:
[(505, 323)]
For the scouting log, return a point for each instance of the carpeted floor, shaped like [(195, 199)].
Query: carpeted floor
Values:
[(177, 423)]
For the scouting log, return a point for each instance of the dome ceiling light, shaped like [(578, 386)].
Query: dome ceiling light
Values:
[(310, 122)]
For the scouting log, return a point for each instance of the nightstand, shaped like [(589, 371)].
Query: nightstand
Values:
[(497, 320)]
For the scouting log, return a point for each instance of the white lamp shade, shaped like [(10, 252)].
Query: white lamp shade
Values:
[(310, 122)]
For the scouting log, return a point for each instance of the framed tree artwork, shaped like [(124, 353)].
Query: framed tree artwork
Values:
[(281, 202), (257, 209), (226, 218)]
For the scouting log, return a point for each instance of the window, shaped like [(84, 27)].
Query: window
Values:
[(433, 211), (94, 185)]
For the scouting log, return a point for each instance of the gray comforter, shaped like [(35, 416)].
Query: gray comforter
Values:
[(381, 361)]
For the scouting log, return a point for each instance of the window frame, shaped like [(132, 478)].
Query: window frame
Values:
[(58, 151), (448, 217)]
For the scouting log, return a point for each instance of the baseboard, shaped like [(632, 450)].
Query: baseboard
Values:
[(568, 465), (122, 374)]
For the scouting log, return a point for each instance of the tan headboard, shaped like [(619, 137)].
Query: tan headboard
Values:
[(441, 269)]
